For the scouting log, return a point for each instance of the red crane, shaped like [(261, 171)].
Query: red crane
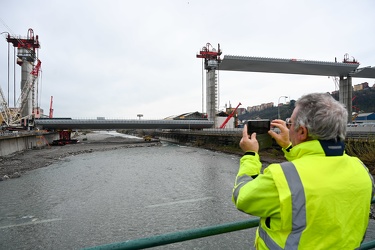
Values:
[(210, 55), (35, 71), (28, 43), (50, 108), (353, 106), (230, 116), (208, 52)]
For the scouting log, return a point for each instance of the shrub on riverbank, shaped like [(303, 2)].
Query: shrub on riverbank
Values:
[(364, 150), (361, 148)]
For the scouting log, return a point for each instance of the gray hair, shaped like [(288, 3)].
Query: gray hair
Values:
[(323, 116)]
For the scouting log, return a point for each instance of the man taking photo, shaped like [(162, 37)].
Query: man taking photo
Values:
[(320, 198)]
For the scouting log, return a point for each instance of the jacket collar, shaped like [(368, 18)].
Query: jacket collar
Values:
[(333, 147), (318, 147)]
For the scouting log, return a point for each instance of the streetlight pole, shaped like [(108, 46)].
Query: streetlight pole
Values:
[(278, 105)]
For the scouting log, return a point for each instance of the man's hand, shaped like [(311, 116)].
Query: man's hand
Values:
[(283, 138), (247, 143)]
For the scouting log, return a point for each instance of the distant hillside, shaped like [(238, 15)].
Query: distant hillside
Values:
[(363, 101), (269, 113)]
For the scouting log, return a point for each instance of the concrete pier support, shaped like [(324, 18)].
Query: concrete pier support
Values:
[(26, 78), (346, 94), (211, 95)]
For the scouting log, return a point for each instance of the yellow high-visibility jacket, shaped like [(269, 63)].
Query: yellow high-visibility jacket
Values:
[(319, 199)]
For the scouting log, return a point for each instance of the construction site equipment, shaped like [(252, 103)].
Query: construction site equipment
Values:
[(23, 112), (211, 56), (65, 138), (212, 60), (50, 108), (147, 138), (230, 116), (4, 109), (347, 60), (14, 118)]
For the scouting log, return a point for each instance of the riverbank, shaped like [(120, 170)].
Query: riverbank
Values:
[(14, 165)]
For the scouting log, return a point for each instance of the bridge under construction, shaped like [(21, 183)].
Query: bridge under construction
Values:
[(25, 112), (344, 71), (72, 124)]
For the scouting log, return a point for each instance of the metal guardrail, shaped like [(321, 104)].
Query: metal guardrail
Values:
[(169, 238), (361, 135), (361, 131)]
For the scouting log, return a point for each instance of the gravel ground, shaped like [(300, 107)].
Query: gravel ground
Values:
[(14, 165)]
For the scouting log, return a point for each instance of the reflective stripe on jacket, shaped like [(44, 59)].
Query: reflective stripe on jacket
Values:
[(320, 200)]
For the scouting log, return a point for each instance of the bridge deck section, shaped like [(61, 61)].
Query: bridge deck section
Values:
[(288, 66), (121, 124), (294, 66)]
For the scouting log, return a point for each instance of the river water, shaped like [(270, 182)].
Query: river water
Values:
[(113, 196), (129, 193)]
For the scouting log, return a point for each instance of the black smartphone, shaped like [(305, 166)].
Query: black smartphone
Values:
[(258, 126)]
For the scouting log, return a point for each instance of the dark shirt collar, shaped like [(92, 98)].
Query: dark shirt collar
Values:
[(333, 147)]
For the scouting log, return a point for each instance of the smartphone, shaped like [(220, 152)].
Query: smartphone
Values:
[(258, 126)]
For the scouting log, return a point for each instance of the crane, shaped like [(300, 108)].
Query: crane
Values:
[(211, 59), (50, 108), (230, 116), (12, 118), (210, 55), (27, 55), (354, 106), (4, 109)]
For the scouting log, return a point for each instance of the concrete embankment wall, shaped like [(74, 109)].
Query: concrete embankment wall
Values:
[(199, 139), (16, 143), (219, 138)]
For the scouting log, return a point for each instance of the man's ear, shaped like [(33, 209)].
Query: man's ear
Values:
[(302, 134)]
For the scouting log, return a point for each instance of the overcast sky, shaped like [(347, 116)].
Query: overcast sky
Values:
[(122, 58)]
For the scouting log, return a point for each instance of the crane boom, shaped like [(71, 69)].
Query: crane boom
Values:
[(230, 116), (50, 108), (4, 109)]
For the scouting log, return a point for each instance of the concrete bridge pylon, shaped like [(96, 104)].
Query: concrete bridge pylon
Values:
[(346, 94)]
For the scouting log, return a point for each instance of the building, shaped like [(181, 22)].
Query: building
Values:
[(188, 116), (365, 118), (260, 107), (360, 86)]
